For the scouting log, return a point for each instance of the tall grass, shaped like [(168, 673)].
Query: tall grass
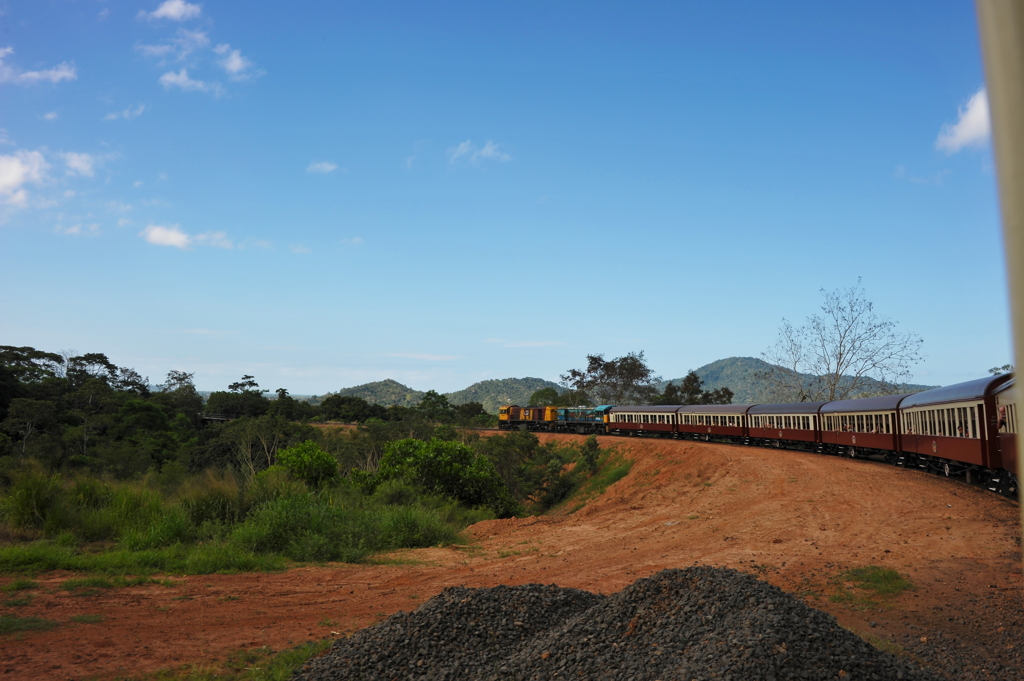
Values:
[(215, 523)]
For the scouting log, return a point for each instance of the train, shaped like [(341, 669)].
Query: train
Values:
[(966, 430)]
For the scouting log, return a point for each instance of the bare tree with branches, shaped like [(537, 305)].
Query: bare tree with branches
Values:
[(846, 351)]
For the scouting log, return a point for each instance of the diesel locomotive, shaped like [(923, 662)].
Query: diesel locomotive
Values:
[(967, 430)]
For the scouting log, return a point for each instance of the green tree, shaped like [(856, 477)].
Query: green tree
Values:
[(624, 380), (26, 416), (691, 391), (545, 397), (350, 409), (435, 406)]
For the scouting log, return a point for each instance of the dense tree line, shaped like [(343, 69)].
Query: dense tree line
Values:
[(82, 415)]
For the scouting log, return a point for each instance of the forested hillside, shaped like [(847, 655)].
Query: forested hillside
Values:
[(385, 393), (496, 392), (739, 374), (491, 393)]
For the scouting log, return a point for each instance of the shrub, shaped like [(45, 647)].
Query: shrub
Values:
[(448, 468), (306, 461)]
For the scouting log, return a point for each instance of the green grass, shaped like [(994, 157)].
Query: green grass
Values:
[(10, 624), (259, 664), (870, 585), (202, 559), (611, 467), (20, 585), (19, 601), (87, 619), (882, 581), (89, 585)]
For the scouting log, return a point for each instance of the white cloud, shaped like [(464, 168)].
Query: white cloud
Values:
[(79, 229), (158, 235), (172, 235), (51, 116), (79, 164), (175, 10), (70, 193), (17, 170), (300, 249), (236, 66), (118, 207), (474, 154), (354, 241), (972, 129), (123, 222), (322, 167), (128, 114), (413, 355), (4, 139), (13, 74), (181, 80)]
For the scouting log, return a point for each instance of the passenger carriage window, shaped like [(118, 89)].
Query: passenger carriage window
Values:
[(974, 423), (887, 431)]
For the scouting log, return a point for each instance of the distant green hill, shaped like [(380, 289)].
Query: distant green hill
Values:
[(385, 393), (496, 392), (739, 374), (492, 393)]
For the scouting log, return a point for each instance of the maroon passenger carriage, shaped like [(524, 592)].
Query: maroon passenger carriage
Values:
[(795, 425), (713, 421), (961, 429), (862, 427)]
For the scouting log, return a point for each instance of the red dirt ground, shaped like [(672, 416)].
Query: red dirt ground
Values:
[(795, 519)]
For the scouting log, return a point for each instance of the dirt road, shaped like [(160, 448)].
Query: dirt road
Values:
[(796, 520)]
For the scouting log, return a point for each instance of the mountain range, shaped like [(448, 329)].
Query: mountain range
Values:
[(739, 374)]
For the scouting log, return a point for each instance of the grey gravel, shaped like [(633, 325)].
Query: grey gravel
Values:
[(697, 623)]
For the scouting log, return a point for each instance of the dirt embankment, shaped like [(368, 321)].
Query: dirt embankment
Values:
[(796, 520)]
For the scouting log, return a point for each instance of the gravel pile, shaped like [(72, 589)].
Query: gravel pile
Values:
[(696, 623)]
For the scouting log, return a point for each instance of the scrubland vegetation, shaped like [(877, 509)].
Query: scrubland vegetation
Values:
[(99, 474)]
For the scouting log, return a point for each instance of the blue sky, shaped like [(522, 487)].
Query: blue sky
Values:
[(325, 194)]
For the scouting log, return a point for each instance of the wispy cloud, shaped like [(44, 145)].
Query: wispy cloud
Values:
[(173, 235), (522, 344), (12, 74), (300, 249), (322, 167), (79, 230), (50, 116), (181, 80), (79, 164), (467, 151), (903, 174), (972, 128), (16, 171), (128, 114), (178, 48), (354, 241), (414, 355), (234, 64), (173, 10)]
